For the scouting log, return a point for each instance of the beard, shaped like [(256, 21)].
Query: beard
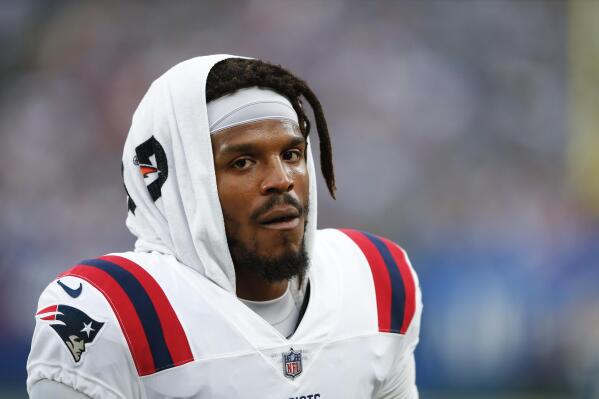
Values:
[(272, 269)]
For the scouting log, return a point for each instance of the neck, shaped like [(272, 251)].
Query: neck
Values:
[(252, 287)]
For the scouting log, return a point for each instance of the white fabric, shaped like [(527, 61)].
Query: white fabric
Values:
[(282, 313), (186, 221), (248, 105), (46, 389), (236, 352), (105, 369)]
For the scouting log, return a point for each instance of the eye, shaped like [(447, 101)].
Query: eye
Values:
[(241, 163), (292, 155)]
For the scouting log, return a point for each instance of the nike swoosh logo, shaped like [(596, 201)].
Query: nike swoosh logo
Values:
[(74, 293)]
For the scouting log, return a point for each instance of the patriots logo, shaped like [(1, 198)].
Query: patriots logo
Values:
[(74, 327), (151, 160)]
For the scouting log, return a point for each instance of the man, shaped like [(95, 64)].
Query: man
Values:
[(231, 291)]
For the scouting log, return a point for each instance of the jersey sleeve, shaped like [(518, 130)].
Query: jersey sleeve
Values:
[(78, 342), (400, 382), (398, 310)]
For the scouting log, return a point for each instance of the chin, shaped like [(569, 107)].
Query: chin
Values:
[(283, 242), (277, 249), (275, 258), (282, 252)]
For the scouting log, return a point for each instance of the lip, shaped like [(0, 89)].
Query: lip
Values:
[(286, 225), (281, 218)]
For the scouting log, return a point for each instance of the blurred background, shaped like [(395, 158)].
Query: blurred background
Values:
[(467, 131)]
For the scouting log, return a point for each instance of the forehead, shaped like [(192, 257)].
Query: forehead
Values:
[(268, 131)]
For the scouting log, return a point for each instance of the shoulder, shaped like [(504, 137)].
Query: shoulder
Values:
[(392, 279), (100, 326)]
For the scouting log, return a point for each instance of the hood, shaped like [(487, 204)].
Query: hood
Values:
[(168, 171)]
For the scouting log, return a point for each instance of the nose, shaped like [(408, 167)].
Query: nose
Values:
[(277, 178)]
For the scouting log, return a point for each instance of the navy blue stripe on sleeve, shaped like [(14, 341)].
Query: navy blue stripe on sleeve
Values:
[(398, 293), (144, 308)]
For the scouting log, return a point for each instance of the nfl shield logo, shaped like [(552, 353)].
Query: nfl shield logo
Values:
[(292, 363)]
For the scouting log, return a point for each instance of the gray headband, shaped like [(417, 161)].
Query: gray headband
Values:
[(248, 105)]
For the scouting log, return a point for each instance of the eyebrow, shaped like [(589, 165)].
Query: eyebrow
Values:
[(250, 147), (235, 148)]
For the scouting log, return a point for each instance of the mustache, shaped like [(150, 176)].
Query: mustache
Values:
[(276, 200)]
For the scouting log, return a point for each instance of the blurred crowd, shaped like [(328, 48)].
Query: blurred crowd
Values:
[(450, 129)]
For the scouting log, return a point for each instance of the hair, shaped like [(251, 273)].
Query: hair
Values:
[(232, 74)]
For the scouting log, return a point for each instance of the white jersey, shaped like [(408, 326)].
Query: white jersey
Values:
[(143, 325)]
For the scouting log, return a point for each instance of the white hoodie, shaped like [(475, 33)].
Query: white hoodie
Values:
[(186, 221)]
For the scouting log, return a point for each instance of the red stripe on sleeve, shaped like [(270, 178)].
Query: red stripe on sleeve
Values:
[(408, 283), (174, 335), (125, 313), (48, 309), (380, 275)]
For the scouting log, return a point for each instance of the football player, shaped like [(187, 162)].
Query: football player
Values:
[(231, 291)]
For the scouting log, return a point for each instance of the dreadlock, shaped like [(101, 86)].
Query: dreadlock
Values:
[(233, 74)]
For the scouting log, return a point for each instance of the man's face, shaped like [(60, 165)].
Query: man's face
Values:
[(262, 181)]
